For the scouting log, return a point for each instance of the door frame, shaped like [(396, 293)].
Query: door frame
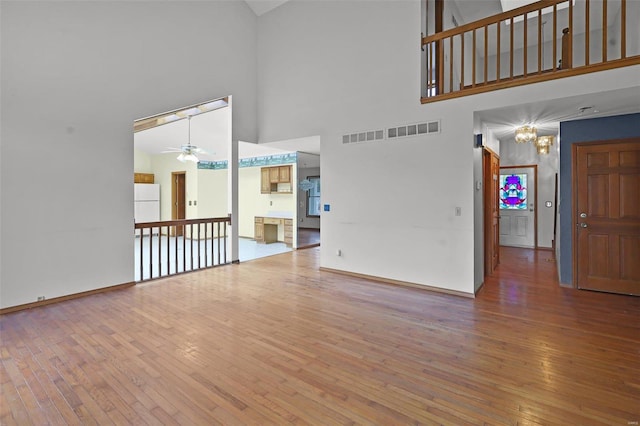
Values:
[(491, 239), (574, 198), (178, 231), (535, 202)]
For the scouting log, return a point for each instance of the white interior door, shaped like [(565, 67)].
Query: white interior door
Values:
[(517, 206)]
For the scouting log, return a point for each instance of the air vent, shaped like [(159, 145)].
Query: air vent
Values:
[(393, 132), (366, 136), (414, 129)]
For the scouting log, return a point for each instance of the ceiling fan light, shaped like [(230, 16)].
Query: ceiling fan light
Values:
[(191, 157), (182, 157)]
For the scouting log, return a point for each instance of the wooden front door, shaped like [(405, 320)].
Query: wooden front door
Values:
[(607, 217), (491, 173), (178, 199)]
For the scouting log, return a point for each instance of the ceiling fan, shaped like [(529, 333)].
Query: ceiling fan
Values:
[(187, 152)]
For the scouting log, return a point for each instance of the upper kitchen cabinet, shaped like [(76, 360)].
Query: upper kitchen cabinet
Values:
[(270, 177)]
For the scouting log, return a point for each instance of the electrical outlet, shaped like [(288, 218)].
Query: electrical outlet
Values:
[(41, 298), (458, 211)]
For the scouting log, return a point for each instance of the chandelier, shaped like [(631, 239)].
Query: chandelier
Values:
[(525, 134), (543, 143)]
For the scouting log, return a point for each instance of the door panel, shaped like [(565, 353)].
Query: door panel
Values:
[(517, 209), (491, 172), (178, 199), (607, 181)]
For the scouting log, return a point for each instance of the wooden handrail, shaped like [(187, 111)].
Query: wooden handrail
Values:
[(539, 5), (179, 222), (163, 249), (469, 72)]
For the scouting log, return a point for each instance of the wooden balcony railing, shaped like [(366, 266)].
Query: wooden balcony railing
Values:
[(545, 40), (177, 246)]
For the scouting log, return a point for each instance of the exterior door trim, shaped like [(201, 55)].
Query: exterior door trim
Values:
[(535, 202)]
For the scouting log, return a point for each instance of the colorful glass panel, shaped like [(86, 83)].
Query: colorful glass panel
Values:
[(513, 192)]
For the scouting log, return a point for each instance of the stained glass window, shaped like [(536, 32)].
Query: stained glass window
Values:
[(513, 192)]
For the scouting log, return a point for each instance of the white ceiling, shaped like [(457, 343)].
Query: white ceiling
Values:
[(546, 116), (261, 7), (210, 132)]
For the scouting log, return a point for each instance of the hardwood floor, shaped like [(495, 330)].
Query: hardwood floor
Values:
[(308, 238), (276, 341)]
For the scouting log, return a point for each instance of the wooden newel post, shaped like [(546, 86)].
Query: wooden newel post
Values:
[(567, 48)]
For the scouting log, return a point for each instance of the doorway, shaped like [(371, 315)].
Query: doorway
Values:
[(518, 211), (178, 199), (491, 172), (606, 222)]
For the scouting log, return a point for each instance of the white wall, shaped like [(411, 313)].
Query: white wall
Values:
[(324, 71), (212, 193), (141, 162), (76, 80), (212, 187), (74, 76), (162, 166)]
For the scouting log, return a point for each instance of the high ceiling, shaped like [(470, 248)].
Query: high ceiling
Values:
[(261, 7)]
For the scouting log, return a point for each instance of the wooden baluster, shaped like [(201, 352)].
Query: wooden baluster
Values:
[(150, 253), (524, 51), (462, 60), (586, 32), (206, 262), (570, 34), (199, 226), (604, 31), (498, 52), (566, 49), (184, 248), (623, 29), (473, 60), (141, 255), (225, 242), (539, 41), (191, 245), (168, 251), (511, 50), (175, 251), (451, 64), (486, 53), (555, 37), (159, 252), (219, 243)]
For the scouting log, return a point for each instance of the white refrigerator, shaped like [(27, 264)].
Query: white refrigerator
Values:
[(146, 203)]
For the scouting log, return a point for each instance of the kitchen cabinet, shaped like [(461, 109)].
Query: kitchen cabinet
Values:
[(271, 177), (143, 178), (265, 181), (259, 229), (266, 229), (284, 174)]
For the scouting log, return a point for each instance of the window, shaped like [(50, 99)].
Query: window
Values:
[(513, 192), (313, 197)]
